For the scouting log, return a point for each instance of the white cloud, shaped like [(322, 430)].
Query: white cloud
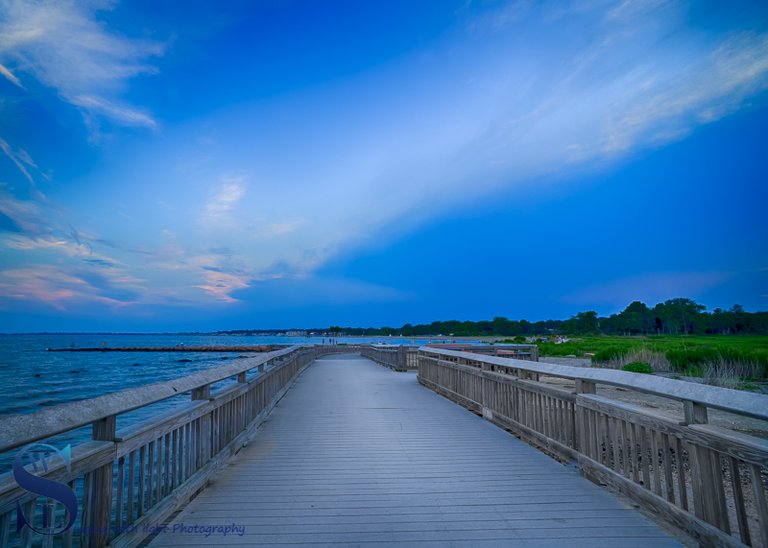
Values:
[(221, 284), (121, 114), (19, 158), (229, 192), (61, 289), (461, 131), (283, 227), (10, 76), (29, 216), (708, 89), (438, 132), (65, 47), (322, 171)]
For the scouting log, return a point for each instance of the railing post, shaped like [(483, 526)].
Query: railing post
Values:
[(702, 462), (204, 443), (402, 357), (486, 410), (534, 353), (694, 413), (202, 392), (101, 494), (582, 423)]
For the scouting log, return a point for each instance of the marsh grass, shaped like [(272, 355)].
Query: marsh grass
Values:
[(714, 358)]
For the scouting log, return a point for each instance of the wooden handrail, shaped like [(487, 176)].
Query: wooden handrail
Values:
[(128, 479), (400, 357), (19, 430), (700, 478), (715, 397)]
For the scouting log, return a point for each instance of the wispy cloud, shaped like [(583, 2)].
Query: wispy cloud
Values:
[(65, 47), (221, 284), (228, 193), (121, 114), (710, 88), (468, 124), (32, 229), (19, 158), (27, 215), (59, 288), (468, 127), (494, 106), (10, 76), (282, 228)]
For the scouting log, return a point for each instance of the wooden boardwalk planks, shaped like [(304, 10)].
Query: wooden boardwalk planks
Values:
[(356, 454)]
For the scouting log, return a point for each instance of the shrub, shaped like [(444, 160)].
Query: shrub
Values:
[(638, 367)]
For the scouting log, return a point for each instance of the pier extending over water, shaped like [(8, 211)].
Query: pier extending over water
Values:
[(320, 445)]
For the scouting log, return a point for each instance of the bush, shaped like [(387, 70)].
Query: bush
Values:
[(638, 367)]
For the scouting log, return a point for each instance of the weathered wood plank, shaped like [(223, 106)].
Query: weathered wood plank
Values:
[(386, 460), (738, 495), (722, 440), (198, 476), (761, 506), (698, 529)]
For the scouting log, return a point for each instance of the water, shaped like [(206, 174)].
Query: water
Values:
[(34, 379)]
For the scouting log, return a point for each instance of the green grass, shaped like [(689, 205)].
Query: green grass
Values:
[(687, 354), (638, 367)]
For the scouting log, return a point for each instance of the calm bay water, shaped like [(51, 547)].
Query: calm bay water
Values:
[(34, 378)]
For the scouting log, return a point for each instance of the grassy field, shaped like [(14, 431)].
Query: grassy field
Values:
[(744, 357)]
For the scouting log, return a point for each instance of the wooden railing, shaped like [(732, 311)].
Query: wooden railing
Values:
[(130, 480), (337, 349), (706, 480), (514, 351), (399, 358)]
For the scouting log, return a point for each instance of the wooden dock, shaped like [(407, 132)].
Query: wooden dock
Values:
[(322, 445), (355, 454)]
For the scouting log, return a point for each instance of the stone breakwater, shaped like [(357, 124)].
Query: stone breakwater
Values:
[(180, 348)]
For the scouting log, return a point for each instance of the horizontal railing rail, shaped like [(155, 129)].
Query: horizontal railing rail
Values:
[(709, 481), (515, 351), (18, 430), (130, 480), (337, 349), (399, 358)]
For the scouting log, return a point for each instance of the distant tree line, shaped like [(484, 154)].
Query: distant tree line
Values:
[(674, 316)]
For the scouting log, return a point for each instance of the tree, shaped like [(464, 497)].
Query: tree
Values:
[(583, 323), (633, 320), (720, 321), (679, 315), (739, 318)]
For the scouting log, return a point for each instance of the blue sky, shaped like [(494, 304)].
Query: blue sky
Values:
[(199, 166)]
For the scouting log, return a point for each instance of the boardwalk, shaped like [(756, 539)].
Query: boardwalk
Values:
[(357, 454)]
